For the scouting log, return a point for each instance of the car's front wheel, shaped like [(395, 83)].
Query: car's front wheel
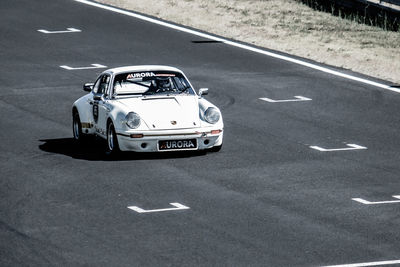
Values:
[(216, 148), (77, 127), (112, 141)]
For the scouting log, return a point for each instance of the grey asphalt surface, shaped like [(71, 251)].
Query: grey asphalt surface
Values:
[(266, 199)]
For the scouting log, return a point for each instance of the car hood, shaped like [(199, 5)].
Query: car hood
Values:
[(165, 112)]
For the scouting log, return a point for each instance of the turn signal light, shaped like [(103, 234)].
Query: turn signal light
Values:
[(136, 135), (216, 131)]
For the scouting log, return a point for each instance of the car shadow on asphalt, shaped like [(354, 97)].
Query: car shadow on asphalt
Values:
[(94, 150)]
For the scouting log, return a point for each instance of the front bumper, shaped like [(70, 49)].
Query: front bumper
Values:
[(148, 141)]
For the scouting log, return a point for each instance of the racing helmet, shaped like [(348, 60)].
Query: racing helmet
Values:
[(163, 83)]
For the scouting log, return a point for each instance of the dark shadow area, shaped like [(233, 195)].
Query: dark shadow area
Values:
[(207, 42), (94, 150), (361, 11)]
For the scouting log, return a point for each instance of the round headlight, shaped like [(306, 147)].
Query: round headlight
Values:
[(132, 120), (212, 115)]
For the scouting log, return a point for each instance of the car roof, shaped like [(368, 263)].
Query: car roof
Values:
[(141, 68)]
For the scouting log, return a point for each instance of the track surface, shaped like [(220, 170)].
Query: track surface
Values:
[(266, 199)]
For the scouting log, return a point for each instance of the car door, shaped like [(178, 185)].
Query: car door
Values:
[(100, 104)]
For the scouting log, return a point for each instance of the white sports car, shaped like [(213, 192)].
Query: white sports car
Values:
[(147, 109)]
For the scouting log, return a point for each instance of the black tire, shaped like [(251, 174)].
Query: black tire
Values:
[(112, 147), (77, 128), (216, 148)]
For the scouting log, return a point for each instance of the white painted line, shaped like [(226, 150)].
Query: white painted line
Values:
[(242, 46), (350, 147), (298, 99), (177, 206), (94, 66), (376, 263), (366, 202), (69, 30)]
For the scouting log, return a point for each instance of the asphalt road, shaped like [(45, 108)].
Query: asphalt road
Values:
[(267, 199)]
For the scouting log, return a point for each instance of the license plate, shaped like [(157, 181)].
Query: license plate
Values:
[(177, 144)]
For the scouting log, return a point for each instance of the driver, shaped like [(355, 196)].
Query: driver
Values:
[(163, 84)]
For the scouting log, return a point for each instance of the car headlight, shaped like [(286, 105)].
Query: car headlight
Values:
[(132, 120), (212, 115)]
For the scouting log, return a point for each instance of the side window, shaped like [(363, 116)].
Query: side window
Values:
[(101, 85)]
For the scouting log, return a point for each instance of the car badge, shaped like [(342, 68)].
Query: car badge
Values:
[(173, 122)]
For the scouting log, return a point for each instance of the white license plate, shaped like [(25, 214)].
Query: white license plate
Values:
[(177, 144)]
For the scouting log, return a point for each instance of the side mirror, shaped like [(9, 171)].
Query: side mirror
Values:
[(87, 87), (203, 91)]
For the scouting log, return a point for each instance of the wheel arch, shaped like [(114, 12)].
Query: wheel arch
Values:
[(75, 110), (110, 120)]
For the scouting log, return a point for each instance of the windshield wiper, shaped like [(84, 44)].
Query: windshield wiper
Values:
[(184, 90)]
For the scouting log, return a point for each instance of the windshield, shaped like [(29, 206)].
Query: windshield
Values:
[(151, 83)]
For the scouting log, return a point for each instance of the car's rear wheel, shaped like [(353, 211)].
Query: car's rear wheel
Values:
[(112, 141)]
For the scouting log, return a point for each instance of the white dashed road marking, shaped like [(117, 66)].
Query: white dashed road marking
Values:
[(350, 147), (69, 30), (298, 99), (376, 263), (94, 66), (366, 202), (177, 206)]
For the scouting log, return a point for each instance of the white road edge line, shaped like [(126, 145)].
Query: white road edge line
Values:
[(376, 263), (177, 206), (243, 46), (298, 98), (94, 66), (366, 202)]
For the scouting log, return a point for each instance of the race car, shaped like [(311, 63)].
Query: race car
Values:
[(147, 109)]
